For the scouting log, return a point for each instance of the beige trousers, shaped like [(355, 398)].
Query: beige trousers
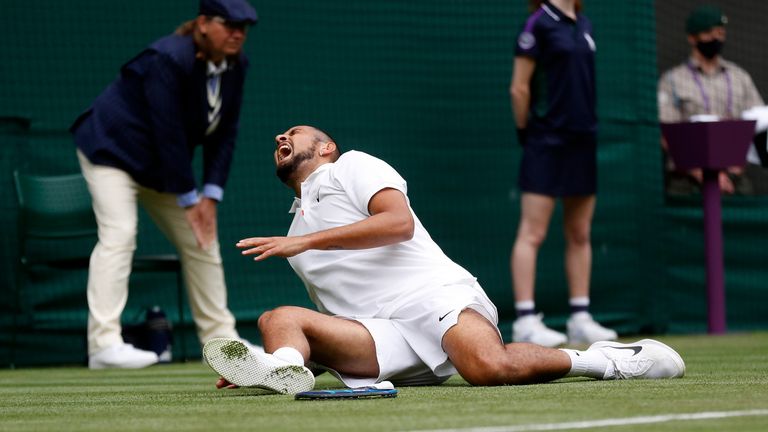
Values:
[(115, 202)]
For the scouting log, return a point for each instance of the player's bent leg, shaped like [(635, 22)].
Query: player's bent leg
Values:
[(244, 367), (474, 348), (343, 345)]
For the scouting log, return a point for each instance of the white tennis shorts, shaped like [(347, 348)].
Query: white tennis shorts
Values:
[(409, 341)]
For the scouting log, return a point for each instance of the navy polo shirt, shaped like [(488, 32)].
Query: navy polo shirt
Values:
[(563, 92)]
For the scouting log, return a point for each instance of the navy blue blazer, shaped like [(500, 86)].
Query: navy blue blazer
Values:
[(150, 119)]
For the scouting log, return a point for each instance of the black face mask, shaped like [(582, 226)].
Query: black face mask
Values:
[(710, 49)]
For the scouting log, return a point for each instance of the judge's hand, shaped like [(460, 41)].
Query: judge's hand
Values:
[(202, 219)]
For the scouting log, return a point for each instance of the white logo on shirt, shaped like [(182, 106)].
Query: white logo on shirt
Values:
[(590, 41), (526, 40)]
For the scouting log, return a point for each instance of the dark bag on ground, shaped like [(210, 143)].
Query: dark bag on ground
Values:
[(154, 334)]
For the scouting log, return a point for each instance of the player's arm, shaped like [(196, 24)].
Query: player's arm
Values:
[(390, 222)]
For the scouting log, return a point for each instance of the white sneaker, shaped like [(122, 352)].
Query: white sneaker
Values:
[(252, 347), (583, 329), (244, 367), (122, 356), (644, 359), (531, 329)]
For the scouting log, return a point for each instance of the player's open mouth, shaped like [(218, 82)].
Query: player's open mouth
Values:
[(284, 151)]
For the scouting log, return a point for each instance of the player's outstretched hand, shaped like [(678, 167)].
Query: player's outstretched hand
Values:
[(222, 383), (265, 247)]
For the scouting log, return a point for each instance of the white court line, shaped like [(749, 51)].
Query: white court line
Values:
[(611, 422)]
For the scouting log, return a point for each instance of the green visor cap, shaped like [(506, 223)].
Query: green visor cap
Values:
[(704, 18)]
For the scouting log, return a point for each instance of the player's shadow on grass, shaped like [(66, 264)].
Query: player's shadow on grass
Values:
[(245, 392)]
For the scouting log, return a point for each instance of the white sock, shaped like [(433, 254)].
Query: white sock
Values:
[(592, 364), (525, 308), (289, 355), (578, 301), (525, 304)]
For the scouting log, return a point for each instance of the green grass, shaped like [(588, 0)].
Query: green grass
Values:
[(724, 373)]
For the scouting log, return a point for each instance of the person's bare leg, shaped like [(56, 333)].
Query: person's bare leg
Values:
[(300, 335), (582, 329), (474, 348), (343, 345), (577, 224), (535, 214)]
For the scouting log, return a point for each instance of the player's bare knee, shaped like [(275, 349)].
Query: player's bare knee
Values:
[(263, 321), (279, 318), (486, 372)]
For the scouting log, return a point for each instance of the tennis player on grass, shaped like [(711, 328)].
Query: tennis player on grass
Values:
[(390, 304)]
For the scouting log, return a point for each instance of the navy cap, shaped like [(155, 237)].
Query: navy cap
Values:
[(239, 11)]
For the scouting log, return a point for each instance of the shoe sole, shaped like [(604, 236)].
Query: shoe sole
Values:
[(232, 359), (672, 353)]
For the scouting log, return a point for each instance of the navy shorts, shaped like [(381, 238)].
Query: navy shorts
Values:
[(558, 164)]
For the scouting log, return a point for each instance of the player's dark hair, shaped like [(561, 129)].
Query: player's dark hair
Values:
[(323, 136)]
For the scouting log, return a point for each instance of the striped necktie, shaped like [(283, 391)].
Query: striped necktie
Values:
[(213, 91)]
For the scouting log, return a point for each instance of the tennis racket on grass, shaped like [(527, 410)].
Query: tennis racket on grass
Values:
[(383, 389)]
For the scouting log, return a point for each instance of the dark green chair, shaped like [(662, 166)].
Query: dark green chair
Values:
[(56, 210)]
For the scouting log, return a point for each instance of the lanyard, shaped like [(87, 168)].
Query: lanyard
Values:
[(705, 97)]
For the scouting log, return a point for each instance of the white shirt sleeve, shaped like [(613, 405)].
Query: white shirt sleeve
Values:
[(362, 176)]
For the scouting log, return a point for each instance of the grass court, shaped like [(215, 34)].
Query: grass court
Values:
[(725, 389)]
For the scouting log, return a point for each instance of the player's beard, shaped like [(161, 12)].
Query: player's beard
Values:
[(285, 171)]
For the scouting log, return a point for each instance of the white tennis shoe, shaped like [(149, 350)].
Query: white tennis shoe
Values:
[(530, 328), (122, 356), (245, 367), (583, 329), (644, 359)]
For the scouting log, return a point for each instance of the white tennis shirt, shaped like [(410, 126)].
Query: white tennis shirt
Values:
[(364, 283)]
